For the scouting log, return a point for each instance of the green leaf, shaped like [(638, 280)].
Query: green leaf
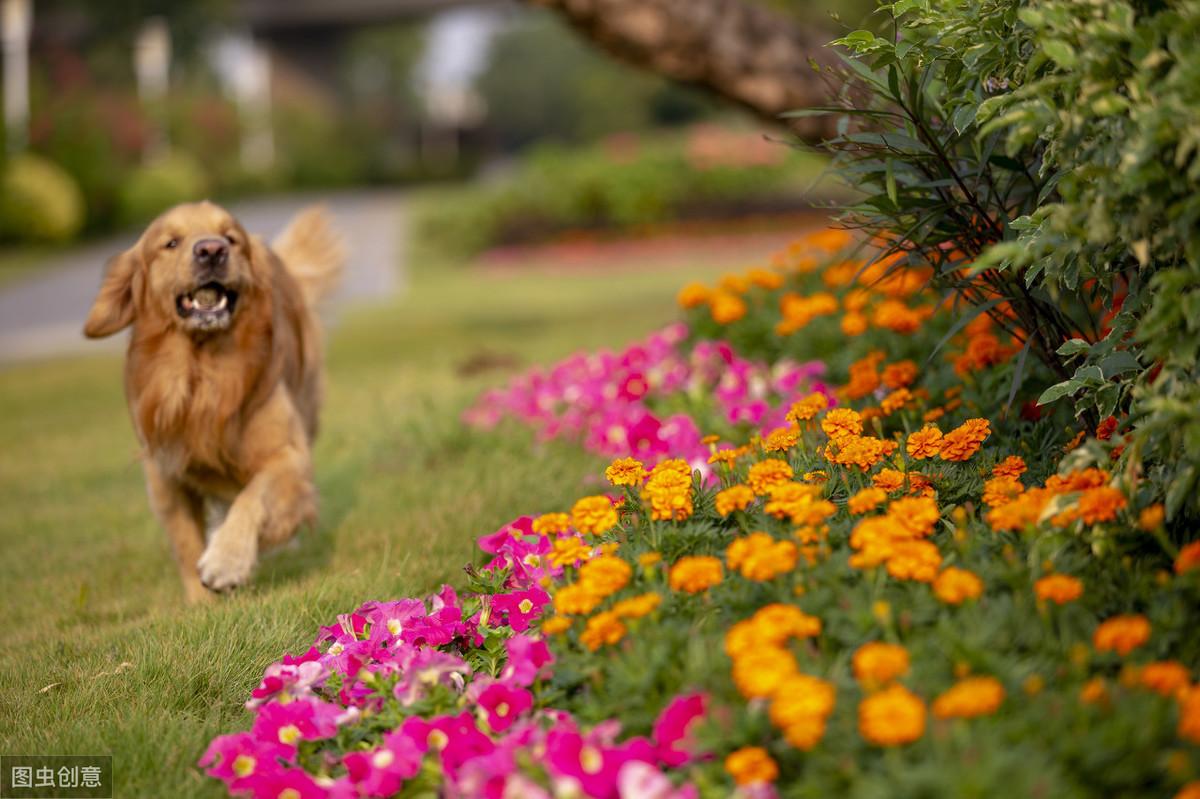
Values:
[(1058, 391), (1074, 347), (1061, 52), (1119, 362)]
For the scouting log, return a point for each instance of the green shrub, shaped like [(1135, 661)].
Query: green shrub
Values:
[(155, 187), (39, 201)]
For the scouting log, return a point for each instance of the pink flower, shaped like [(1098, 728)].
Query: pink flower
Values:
[(237, 757), (382, 771), (638, 780), (504, 704), (288, 681), (294, 783), (591, 763), (528, 658), (425, 668), (671, 730), (455, 737), (520, 608), (305, 719)]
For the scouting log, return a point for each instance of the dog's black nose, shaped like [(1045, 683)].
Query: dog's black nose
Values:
[(211, 252)]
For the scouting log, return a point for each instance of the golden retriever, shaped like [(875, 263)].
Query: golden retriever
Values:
[(223, 379)]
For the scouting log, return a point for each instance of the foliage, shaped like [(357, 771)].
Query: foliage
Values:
[(39, 201), (1041, 157), (160, 184)]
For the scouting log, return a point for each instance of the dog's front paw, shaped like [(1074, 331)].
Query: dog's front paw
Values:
[(227, 562)]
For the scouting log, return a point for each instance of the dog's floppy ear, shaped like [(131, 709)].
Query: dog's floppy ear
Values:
[(113, 309)]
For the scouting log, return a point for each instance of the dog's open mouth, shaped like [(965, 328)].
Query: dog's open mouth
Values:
[(207, 307)]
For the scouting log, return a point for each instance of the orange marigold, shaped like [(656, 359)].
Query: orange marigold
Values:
[(895, 401), (695, 574), (955, 586), (1001, 491), (1151, 517), (915, 560), (551, 523), (556, 624), (767, 473), (807, 408), (1166, 677), (759, 672), (781, 439), (889, 480), (916, 516), (1058, 588), (876, 663), (594, 515), (759, 557), (668, 490), (1189, 716), (726, 307), (841, 422), (963, 442), (575, 599), (605, 575), (736, 497), (603, 628), (776, 623), (969, 698), (1101, 504), (1122, 634), (892, 717), (924, 443), (692, 295), (1013, 466), (625, 472), (751, 765), (899, 374), (865, 500), (1188, 558)]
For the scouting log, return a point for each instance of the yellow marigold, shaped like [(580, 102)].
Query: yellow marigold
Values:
[(776, 623), (798, 502), (805, 733), (1101, 504), (694, 574), (751, 765), (899, 374), (892, 717), (955, 586), (807, 408), (969, 698), (924, 443), (1188, 558), (798, 702), (876, 663), (759, 672), (1122, 634), (915, 560), (1166, 677), (861, 451), (556, 624), (743, 637), (625, 472), (648, 559), (736, 497), (1013, 466), (916, 515), (575, 599), (781, 439), (854, 323), (551, 523), (815, 476), (841, 422), (725, 307), (1189, 716), (1001, 491), (605, 575), (569, 550), (726, 456), (594, 515), (693, 295), (603, 628), (895, 401), (865, 500), (759, 557), (1151, 518), (764, 278), (767, 473), (638, 606), (963, 442), (888, 480), (668, 490), (1058, 588)]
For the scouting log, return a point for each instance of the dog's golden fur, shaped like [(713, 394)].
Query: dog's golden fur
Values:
[(226, 413)]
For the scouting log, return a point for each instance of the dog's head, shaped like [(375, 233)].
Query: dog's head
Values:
[(192, 270)]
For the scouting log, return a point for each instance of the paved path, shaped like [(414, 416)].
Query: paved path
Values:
[(42, 315)]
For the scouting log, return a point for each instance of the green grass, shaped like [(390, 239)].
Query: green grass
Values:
[(88, 583)]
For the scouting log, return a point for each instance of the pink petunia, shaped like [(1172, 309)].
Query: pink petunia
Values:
[(504, 704)]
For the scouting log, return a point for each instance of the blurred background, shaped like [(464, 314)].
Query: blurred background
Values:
[(528, 133)]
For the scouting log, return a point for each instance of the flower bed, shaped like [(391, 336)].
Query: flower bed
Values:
[(927, 588)]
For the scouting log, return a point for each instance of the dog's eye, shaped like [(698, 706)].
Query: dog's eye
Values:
[(232, 239), (172, 244)]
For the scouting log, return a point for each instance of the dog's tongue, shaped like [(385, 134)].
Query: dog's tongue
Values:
[(205, 297)]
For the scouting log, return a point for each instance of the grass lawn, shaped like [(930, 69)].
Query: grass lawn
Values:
[(102, 655)]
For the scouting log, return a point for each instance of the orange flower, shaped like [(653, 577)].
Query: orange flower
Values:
[(1122, 634), (963, 441), (877, 663), (603, 628), (1188, 558), (1166, 677), (889, 480), (892, 717), (605, 575), (914, 560), (759, 557), (625, 472), (774, 624), (1101, 504), (861, 451), (969, 698), (767, 473), (1094, 692), (895, 401), (1058, 588), (1151, 518), (865, 500), (853, 324), (668, 490), (1013, 466), (1189, 716), (575, 600), (751, 765), (807, 408), (736, 497), (594, 515), (924, 443), (1001, 491), (899, 374), (556, 624), (695, 574), (1106, 428), (841, 422), (864, 375), (759, 672), (551, 523), (725, 307), (1189, 791), (781, 439), (955, 586), (693, 295), (917, 516)]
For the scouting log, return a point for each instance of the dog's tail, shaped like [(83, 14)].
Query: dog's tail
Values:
[(313, 252)]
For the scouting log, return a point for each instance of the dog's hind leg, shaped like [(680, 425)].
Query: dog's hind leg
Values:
[(181, 513)]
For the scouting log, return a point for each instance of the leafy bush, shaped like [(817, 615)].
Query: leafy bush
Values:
[(1042, 158), (39, 201), (155, 187)]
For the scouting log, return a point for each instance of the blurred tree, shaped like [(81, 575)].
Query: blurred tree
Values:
[(757, 55), (572, 95)]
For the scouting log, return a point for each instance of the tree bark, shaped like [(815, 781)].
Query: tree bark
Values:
[(743, 52)]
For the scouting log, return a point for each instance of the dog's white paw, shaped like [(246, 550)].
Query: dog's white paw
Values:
[(227, 562)]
